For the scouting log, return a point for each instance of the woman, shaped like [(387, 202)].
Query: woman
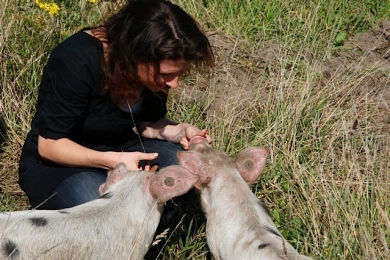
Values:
[(101, 88)]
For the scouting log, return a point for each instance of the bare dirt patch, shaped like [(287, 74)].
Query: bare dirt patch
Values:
[(370, 52), (241, 69)]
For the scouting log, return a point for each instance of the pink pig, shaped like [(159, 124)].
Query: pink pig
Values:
[(239, 225), (119, 225)]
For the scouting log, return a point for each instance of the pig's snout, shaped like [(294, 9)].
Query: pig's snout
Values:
[(198, 142)]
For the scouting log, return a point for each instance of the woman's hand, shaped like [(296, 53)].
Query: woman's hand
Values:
[(191, 131), (132, 159), (68, 153), (165, 129)]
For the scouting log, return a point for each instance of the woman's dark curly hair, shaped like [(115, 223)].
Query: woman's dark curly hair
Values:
[(149, 31)]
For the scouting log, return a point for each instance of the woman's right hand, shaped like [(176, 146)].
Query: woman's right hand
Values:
[(68, 153), (132, 159)]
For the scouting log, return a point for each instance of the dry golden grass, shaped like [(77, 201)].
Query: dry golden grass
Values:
[(327, 181)]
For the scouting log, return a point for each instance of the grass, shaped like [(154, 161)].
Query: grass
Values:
[(327, 179)]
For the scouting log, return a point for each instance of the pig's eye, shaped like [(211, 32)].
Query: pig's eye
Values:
[(169, 181)]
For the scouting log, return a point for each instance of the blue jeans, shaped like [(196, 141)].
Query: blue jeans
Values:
[(84, 186)]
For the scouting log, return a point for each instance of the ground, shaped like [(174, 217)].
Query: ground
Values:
[(240, 69)]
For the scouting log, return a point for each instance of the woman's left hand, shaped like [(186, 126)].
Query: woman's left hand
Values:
[(173, 132), (191, 131)]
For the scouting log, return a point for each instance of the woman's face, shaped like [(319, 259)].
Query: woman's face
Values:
[(168, 77)]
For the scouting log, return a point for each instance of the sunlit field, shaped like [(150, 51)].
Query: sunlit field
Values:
[(308, 79)]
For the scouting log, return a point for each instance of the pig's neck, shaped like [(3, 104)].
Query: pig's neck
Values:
[(123, 212), (234, 217), (136, 213), (122, 222)]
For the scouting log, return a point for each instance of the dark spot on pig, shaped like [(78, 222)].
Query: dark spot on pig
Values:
[(262, 246), (248, 165), (264, 207), (9, 249), (169, 181), (107, 195), (276, 233), (63, 212), (38, 222)]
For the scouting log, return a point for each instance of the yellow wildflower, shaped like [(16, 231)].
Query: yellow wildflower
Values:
[(51, 8), (92, 1)]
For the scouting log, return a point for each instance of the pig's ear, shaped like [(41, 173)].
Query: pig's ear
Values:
[(251, 162), (171, 182), (113, 177)]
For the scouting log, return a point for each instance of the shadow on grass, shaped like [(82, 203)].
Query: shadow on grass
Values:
[(178, 242), (3, 133)]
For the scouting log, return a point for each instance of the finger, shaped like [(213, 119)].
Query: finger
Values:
[(154, 168), (199, 133), (185, 144), (202, 133), (147, 156), (147, 167)]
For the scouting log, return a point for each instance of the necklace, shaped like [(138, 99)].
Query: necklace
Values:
[(153, 168), (135, 129)]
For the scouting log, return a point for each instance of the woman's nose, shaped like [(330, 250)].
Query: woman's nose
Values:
[(173, 83)]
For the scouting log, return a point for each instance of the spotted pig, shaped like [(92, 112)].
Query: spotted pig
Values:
[(119, 225)]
